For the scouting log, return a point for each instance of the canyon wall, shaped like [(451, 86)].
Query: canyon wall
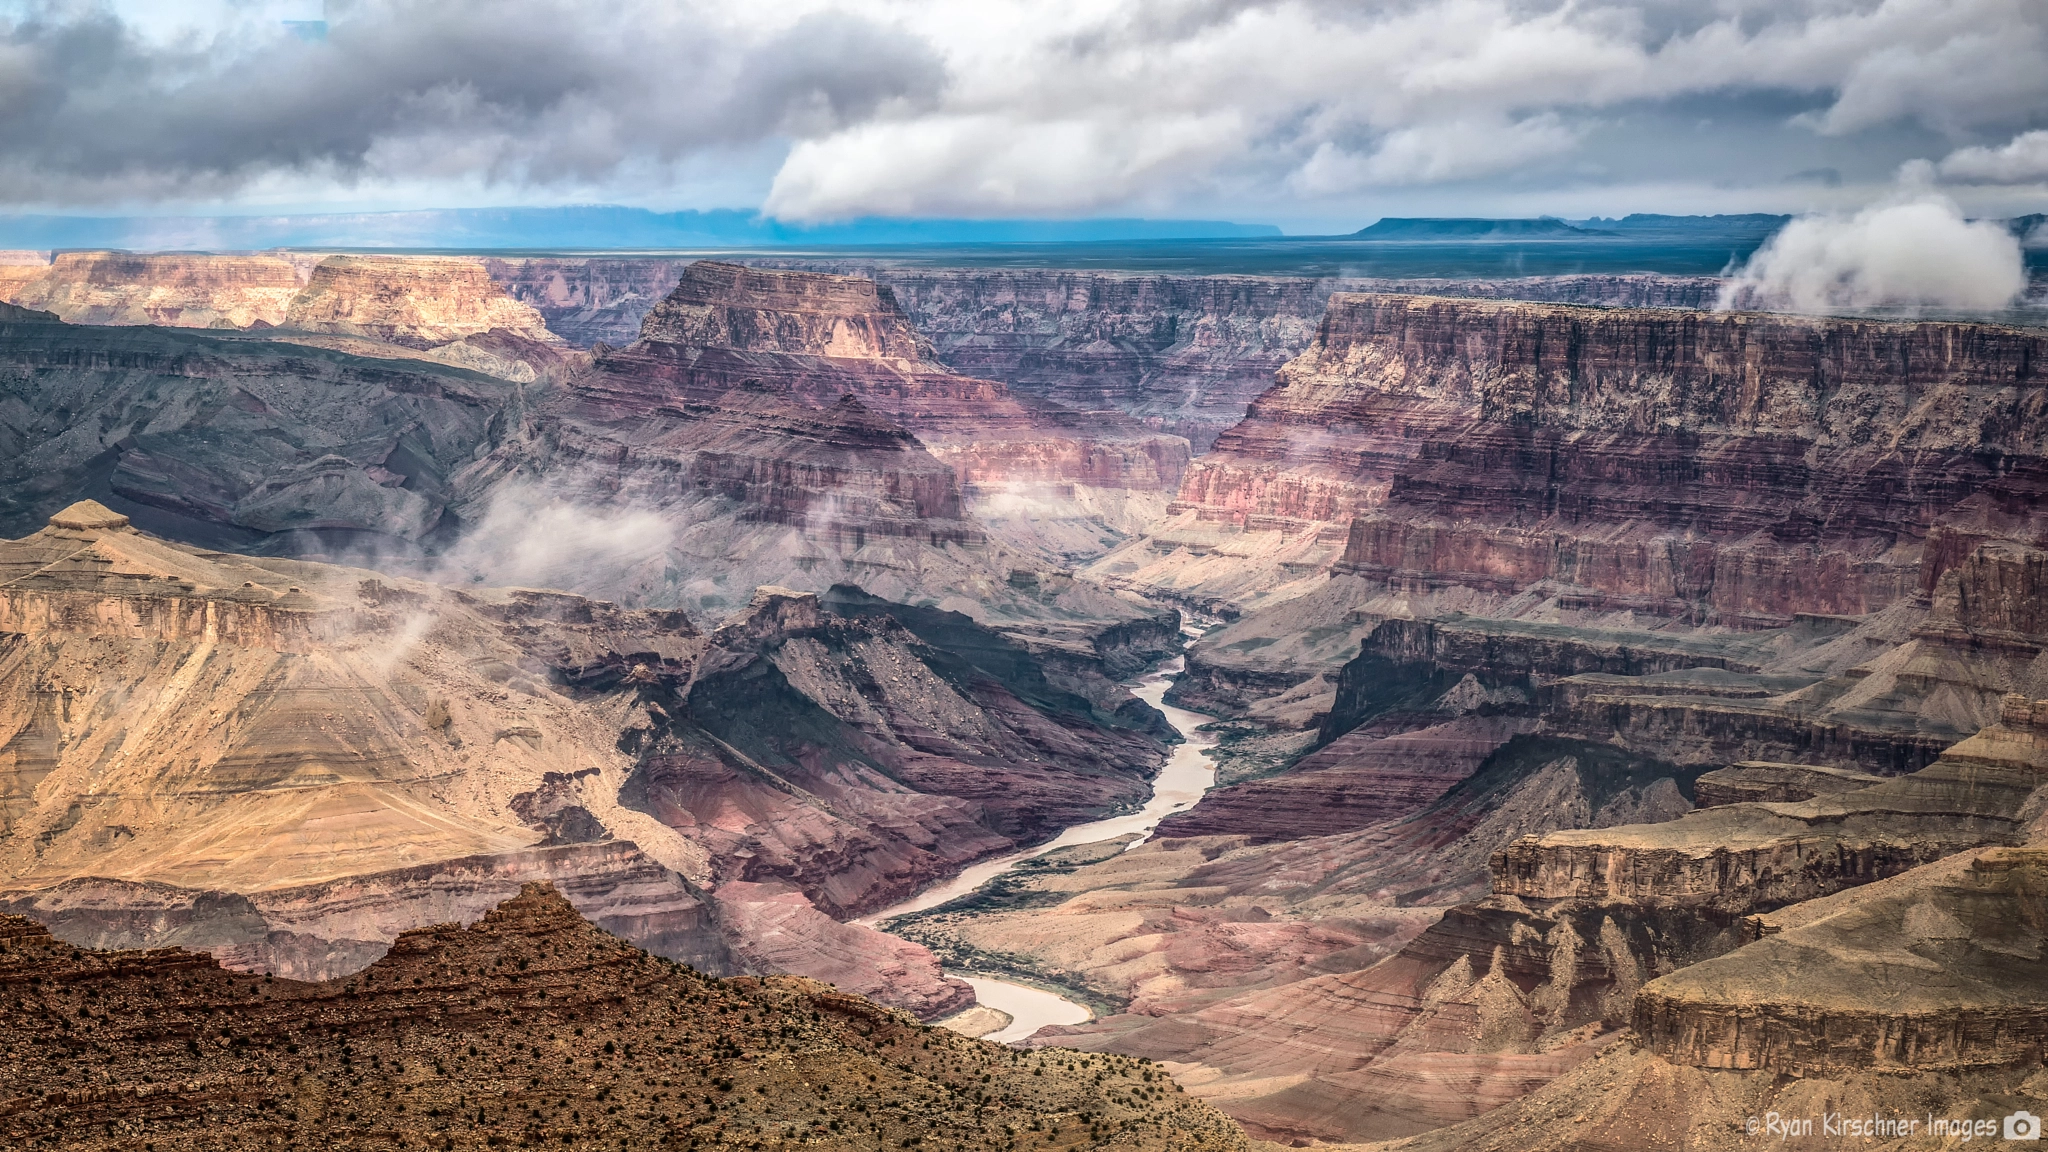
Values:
[(803, 413), (416, 302), (233, 441), (1723, 467), (184, 291), (1183, 354)]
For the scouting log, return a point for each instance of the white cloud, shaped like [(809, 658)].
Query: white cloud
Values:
[(1919, 253), (2021, 160), (1436, 154)]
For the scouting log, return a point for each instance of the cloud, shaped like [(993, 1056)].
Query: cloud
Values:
[(1919, 253), (527, 538), (511, 92), (1436, 154), (1005, 106), (2022, 160)]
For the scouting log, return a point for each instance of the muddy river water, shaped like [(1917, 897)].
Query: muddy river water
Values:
[(1187, 774)]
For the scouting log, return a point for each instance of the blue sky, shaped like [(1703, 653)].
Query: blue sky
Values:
[(1316, 116)]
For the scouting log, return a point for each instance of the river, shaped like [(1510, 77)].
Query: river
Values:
[(1187, 774)]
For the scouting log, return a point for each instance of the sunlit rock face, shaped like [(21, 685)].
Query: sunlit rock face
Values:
[(414, 301), (184, 291), (289, 763)]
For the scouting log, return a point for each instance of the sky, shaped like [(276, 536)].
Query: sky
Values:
[(1316, 116)]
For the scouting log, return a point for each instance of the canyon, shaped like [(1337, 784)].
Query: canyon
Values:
[(1606, 693), (325, 757)]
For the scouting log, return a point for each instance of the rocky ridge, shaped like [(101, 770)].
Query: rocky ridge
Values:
[(529, 1026)]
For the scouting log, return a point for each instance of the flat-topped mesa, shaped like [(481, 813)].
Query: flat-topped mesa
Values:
[(1725, 467), (1762, 781), (418, 302), (185, 291), (719, 305), (1750, 856), (1936, 969), (818, 337), (89, 571)]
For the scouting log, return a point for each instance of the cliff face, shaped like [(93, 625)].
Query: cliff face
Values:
[(467, 1034), (233, 441), (802, 413), (328, 758), (179, 291), (819, 337), (1742, 857), (414, 302), (411, 301), (1708, 466), (591, 301)]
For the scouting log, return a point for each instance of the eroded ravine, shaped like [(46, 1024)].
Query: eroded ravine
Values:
[(1187, 774)]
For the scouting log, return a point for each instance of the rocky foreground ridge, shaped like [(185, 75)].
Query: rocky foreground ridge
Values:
[(530, 1027), (326, 757)]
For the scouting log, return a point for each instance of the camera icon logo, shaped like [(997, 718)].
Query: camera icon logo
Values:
[(2023, 1125)]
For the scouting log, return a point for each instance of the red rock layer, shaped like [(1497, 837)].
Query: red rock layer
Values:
[(1363, 777), (1710, 466), (816, 338)]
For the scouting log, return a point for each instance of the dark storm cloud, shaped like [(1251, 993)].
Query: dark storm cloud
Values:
[(525, 91)]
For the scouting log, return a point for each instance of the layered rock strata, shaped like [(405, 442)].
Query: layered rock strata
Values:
[(794, 427), (532, 1026), (1885, 693), (1739, 857), (1908, 1010), (821, 337), (1726, 467), (184, 291), (1184, 354), (417, 302), (1760, 781)]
